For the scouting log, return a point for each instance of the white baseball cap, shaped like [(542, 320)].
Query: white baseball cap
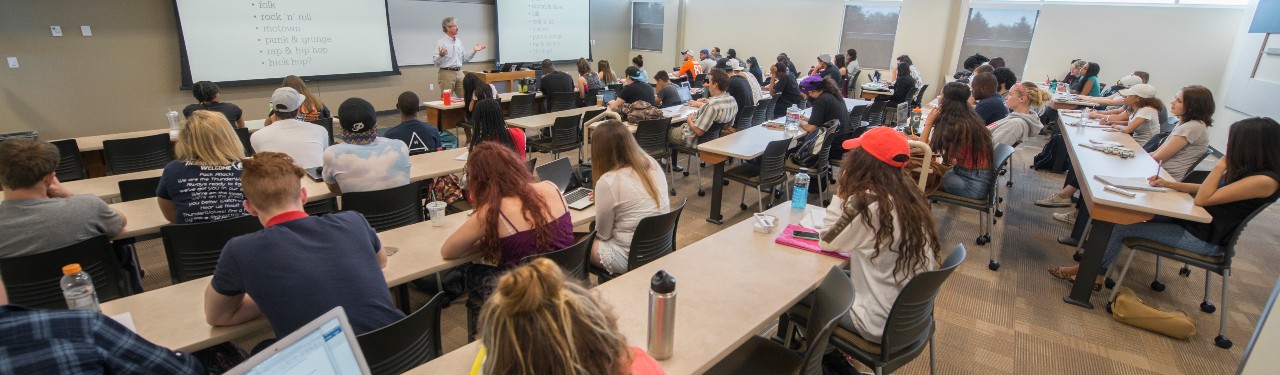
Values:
[(735, 65), (286, 99), (1141, 90), (1130, 81)]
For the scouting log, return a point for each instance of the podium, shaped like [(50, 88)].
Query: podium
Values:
[(510, 77)]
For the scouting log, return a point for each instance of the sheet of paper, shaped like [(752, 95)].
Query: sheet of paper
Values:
[(813, 218), (462, 157), (125, 319)]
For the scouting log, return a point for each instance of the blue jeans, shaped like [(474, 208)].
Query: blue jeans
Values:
[(1166, 233), (969, 183)]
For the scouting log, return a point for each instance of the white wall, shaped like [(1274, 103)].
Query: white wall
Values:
[(763, 28), (1243, 52), (611, 29)]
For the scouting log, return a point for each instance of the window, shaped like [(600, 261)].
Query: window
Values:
[(646, 25), (1139, 2), (1002, 33), (870, 30)]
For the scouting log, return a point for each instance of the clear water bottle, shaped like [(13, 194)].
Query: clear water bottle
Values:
[(172, 117), (662, 315), (800, 191), (77, 289)]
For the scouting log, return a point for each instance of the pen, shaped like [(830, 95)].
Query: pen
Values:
[(1158, 162)]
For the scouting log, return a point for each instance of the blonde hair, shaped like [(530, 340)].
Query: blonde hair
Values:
[(207, 139), (615, 148), (536, 322), (312, 103), (1036, 97)]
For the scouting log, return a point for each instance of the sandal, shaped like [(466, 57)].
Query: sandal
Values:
[(1057, 272)]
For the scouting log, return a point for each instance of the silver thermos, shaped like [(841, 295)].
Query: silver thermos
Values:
[(662, 315)]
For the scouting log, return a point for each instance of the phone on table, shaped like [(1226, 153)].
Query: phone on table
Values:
[(812, 236)]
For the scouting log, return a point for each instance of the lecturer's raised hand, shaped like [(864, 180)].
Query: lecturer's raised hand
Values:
[(479, 47), (443, 51)]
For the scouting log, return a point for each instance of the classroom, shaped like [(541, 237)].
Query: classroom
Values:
[(546, 186)]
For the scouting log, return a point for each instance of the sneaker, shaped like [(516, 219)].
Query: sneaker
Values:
[(1066, 217), (1054, 201)]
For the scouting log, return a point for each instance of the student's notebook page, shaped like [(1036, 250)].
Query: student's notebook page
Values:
[(1129, 183), (461, 157)]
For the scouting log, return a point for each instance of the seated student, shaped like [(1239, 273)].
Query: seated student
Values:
[(38, 214), (997, 62), (1115, 99), (1005, 80), (826, 68), (38, 341), (989, 105), (753, 68), (970, 64), (902, 86), (540, 322), (720, 108), (880, 219), (587, 79), (738, 88), (1021, 123), (364, 161), (827, 104), (312, 108), (638, 62), (785, 87), (1143, 122), (634, 91), (474, 89), (1185, 146), (629, 186), (515, 217), (1074, 72), (667, 94), (606, 73), (297, 267), (420, 136), (962, 140), (1088, 83), (738, 70), (210, 98), (1246, 178), (203, 183), (304, 142), (690, 68), (554, 81), (491, 126), (915, 72)]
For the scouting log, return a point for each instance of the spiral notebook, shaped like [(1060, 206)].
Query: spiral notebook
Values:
[(807, 245)]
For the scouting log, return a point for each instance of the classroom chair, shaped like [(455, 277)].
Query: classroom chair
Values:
[(532, 164), (521, 105), (875, 113), (243, 135), (742, 121), (831, 302), (70, 163), (858, 115), (918, 100), (986, 206), (35, 280), (760, 114), (405, 344), (589, 98), (575, 260), (820, 171), (137, 154), (768, 111), (851, 85), (690, 150), (770, 173), (327, 124), (389, 208), (654, 238), (698, 80), (142, 188), (566, 135), (617, 87), (652, 135), (192, 250), (561, 101)]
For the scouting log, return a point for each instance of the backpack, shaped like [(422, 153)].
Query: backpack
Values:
[(639, 111), (1053, 157), (807, 154)]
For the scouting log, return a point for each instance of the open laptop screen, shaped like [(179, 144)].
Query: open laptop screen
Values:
[(685, 96), (326, 346), (609, 95)]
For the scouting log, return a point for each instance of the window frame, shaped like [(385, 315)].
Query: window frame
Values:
[(978, 6), (661, 26)]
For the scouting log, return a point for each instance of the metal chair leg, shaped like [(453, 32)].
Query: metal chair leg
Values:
[(759, 197), (1222, 341), (933, 367), (1120, 281)]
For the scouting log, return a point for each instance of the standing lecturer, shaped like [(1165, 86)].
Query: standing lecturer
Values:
[(451, 56)]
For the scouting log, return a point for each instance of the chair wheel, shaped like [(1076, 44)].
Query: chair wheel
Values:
[(743, 206), (1003, 171), (1207, 307), (826, 202), (1222, 342), (686, 173), (1009, 184), (702, 193), (1109, 283), (1157, 286), (993, 265), (672, 192), (999, 213), (1000, 200), (1077, 256), (702, 164), (983, 239), (1184, 272), (725, 183), (1109, 308)]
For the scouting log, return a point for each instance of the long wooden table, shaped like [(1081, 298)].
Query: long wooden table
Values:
[(144, 216), (173, 317), (1108, 209), (744, 145), (547, 119), (728, 286), (448, 115)]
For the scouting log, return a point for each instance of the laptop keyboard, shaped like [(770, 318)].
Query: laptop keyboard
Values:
[(576, 195)]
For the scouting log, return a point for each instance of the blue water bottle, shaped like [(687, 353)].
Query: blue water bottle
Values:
[(800, 191)]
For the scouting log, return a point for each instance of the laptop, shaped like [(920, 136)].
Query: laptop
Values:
[(609, 95), (560, 173), (316, 174), (327, 345), (685, 95), (510, 67)]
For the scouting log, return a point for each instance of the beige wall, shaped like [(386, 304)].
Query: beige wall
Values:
[(1244, 50)]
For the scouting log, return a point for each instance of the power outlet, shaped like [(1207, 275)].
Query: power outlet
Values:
[(13, 62), (86, 31), (56, 30)]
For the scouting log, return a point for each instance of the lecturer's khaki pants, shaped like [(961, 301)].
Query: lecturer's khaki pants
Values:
[(451, 80)]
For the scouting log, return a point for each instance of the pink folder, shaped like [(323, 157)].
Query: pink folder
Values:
[(807, 245)]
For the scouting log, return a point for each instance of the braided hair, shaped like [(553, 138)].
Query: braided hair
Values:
[(205, 91), (490, 125)]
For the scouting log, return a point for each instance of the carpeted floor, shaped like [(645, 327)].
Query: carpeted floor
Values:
[(1011, 321)]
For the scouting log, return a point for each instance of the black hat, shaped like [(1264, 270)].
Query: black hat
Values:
[(357, 115)]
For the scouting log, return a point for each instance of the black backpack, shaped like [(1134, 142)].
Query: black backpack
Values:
[(1053, 157)]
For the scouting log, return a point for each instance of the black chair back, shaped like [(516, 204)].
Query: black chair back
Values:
[(742, 121), (773, 162), (137, 154), (561, 101), (773, 104), (1193, 176), (566, 132), (831, 301), (652, 135), (875, 113), (521, 105), (919, 97), (713, 132), (243, 134), (387, 209), (615, 87), (1230, 249), (142, 188), (910, 321), (35, 280), (193, 249), (655, 237), (590, 97), (588, 115), (857, 115), (532, 164), (405, 344), (327, 124), (759, 115), (575, 260), (70, 164), (698, 80)]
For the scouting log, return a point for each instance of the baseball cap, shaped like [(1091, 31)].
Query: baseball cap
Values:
[(1130, 81), (884, 143), (722, 63), (286, 99), (1142, 90), (633, 73), (811, 83), (357, 115), (686, 52), (705, 51), (735, 65), (825, 58)]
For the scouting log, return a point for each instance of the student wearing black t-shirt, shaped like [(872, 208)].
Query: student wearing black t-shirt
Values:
[(420, 136), (827, 104), (739, 88), (635, 90), (553, 81), (209, 95), (785, 88)]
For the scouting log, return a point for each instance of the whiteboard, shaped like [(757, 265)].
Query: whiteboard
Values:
[(415, 28)]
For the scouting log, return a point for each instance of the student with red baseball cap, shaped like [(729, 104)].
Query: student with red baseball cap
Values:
[(881, 219)]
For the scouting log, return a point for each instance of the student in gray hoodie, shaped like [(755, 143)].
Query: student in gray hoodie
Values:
[(1020, 123)]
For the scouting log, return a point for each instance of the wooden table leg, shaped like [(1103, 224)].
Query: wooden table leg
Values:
[(1095, 246), (403, 291)]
